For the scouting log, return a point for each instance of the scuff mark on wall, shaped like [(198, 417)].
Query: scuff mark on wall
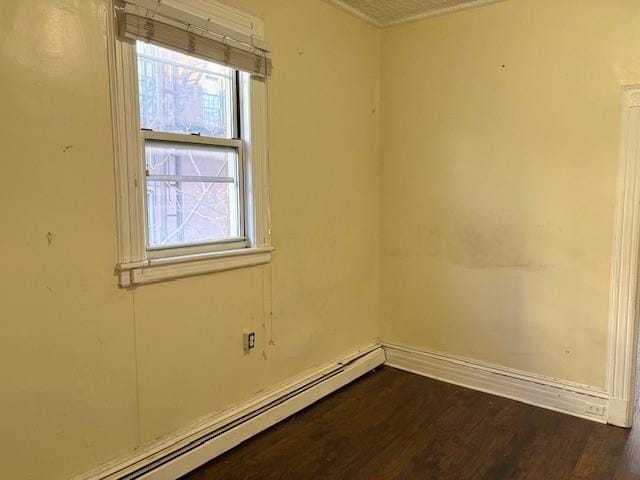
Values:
[(481, 244)]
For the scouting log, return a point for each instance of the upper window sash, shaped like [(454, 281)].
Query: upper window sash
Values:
[(176, 90)]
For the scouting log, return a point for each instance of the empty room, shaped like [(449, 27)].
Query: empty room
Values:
[(320, 239)]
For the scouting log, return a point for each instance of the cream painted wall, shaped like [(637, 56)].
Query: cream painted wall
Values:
[(500, 130), (90, 371), (493, 201)]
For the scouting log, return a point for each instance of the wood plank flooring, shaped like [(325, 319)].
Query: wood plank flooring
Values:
[(395, 425)]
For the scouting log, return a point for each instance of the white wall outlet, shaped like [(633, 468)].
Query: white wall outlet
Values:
[(595, 409), (249, 341)]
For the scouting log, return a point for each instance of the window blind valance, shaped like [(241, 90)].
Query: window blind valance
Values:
[(139, 23)]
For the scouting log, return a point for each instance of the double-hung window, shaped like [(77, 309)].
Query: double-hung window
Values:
[(189, 111), (193, 155)]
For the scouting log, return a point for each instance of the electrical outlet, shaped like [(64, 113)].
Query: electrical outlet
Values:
[(595, 409), (249, 341)]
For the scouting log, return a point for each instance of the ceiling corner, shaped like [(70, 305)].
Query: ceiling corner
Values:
[(384, 13), (356, 12)]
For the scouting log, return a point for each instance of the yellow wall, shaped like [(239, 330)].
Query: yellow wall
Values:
[(499, 134), (90, 371), (496, 181)]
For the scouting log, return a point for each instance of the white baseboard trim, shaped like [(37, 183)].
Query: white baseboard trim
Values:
[(620, 412), (561, 396), (183, 452)]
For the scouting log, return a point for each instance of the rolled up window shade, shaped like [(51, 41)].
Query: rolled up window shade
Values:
[(192, 40)]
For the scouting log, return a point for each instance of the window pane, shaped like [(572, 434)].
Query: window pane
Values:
[(192, 194), (183, 94)]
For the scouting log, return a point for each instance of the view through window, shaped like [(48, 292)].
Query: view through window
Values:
[(188, 116)]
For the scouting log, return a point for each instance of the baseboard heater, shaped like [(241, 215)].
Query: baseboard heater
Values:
[(207, 441)]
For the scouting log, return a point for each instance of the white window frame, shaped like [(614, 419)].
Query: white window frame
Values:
[(137, 264)]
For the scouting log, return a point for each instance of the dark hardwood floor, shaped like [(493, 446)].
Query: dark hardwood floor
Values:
[(396, 425)]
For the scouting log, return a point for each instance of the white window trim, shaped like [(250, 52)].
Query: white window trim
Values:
[(136, 266)]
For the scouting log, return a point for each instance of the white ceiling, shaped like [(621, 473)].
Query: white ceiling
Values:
[(390, 12)]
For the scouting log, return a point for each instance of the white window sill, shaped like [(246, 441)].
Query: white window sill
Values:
[(161, 269)]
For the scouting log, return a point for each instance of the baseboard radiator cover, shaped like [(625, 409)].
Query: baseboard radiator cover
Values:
[(561, 396), (185, 451)]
